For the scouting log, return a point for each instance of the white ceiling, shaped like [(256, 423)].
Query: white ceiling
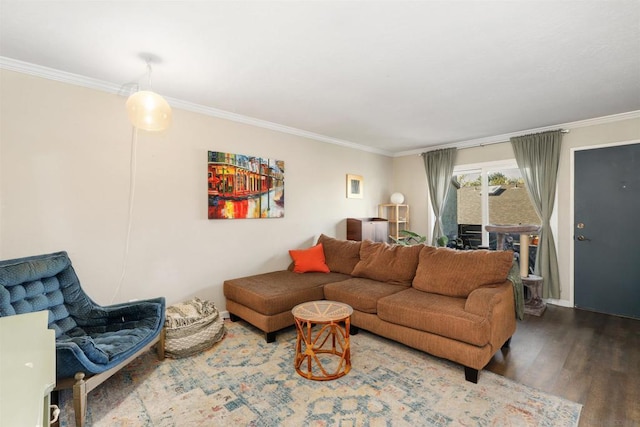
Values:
[(391, 76)]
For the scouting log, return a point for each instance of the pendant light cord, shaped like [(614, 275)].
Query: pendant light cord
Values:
[(149, 74), (132, 188)]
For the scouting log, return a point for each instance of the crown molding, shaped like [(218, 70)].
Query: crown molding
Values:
[(209, 111), (507, 136), (57, 75), (87, 82), (122, 90)]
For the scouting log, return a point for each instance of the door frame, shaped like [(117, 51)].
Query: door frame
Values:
[(572, 166)]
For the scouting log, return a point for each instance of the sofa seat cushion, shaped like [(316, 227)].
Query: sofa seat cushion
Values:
[(360, 294), (394, 264), (340, 255), (278, 291), (455, 273), (438, 314)]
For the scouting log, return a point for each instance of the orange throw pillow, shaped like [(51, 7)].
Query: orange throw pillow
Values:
[(307, 260)]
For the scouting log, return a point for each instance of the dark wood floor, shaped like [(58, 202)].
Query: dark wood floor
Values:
[(586, 357)]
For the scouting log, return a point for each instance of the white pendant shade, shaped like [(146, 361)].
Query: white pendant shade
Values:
[(149, 111)]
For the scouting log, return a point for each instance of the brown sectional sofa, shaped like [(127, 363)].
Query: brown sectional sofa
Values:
[(457, 305)]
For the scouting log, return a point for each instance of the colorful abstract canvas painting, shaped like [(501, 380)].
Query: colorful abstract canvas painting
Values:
[(242, 186)]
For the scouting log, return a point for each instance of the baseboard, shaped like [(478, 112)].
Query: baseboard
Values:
[(225, 314), (560, 302)]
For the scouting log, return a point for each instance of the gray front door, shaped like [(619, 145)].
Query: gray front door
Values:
[(607, 230)]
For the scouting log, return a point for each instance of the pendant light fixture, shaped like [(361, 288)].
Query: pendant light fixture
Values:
[(148, 110)]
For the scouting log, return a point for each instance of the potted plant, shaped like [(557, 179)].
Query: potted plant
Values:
[(410, 238)]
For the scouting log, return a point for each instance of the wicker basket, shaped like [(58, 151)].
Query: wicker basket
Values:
[(191, 327)]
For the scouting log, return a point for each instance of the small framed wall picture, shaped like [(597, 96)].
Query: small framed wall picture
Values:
[(355, 186)]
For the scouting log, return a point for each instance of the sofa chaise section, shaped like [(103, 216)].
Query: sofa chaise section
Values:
[(265, 300)]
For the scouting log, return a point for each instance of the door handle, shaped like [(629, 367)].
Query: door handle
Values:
[(582, 238)]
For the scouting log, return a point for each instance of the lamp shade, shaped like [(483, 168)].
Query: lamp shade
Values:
[(149, 111)]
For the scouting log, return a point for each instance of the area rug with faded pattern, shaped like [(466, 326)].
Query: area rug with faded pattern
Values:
[(244, 381)]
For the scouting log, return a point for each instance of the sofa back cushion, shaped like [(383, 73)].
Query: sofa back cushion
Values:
[(456, 273), (340, 255), (387, 263)]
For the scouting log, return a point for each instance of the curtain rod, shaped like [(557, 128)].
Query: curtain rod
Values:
[(499, 142), (483, 144)]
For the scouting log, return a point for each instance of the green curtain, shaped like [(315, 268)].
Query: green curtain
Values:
[(439, 167), (538, 156)]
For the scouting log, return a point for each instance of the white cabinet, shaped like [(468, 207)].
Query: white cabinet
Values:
[(27, 369)]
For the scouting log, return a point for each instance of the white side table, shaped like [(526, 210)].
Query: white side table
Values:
[(27, 369)]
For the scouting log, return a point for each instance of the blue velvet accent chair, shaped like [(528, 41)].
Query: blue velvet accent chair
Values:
[(92, 342)]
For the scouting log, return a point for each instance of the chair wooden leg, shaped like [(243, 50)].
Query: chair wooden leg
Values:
[(160, 345), (80, 399)]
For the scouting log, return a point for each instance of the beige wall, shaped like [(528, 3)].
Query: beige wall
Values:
[(64, 185), (64, 182), (409, 178)]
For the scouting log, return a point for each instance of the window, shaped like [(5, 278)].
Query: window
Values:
[(491, 193)]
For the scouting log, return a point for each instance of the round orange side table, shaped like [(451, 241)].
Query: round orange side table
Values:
[(325, 349)]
